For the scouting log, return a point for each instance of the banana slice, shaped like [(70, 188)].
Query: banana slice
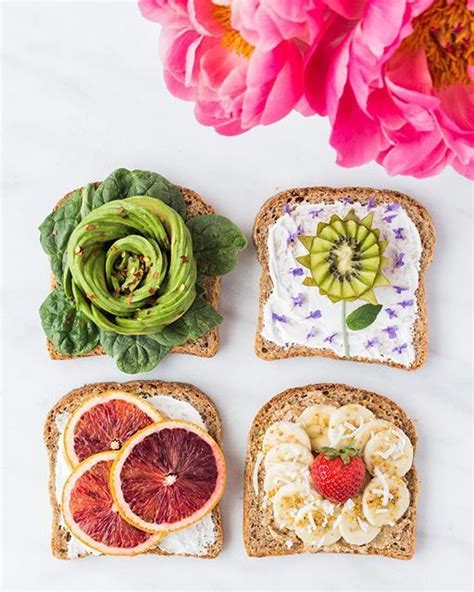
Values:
[(385, 499), (370, 429), (289, 452), (287, 502), (283, 432), (353, 525), (389, 450), (316, 523), (287, 473), (315, 420), (346, 425)]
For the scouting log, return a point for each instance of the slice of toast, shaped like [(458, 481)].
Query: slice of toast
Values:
[(204, 347), (61, 536), (276, 207), (262, 538)]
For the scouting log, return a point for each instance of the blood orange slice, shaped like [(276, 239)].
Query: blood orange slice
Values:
[(90, 513), (168, 476), (105, 422)]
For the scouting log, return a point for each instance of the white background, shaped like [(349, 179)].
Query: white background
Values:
[(83, 94)]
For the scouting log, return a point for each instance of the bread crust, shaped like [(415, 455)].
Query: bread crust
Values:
[(207, 345), (145, 389), (272, 209), (260, 534)]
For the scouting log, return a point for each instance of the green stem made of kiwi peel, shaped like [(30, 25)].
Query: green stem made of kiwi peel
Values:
[(344, 331)]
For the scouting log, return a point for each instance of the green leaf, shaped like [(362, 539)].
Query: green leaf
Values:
[(56, 229), (197, 321), (69, 330), (123, 183), (362, 317), (133, 353), (216, 242)]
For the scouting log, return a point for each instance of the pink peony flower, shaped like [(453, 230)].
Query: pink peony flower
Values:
[(395, 78), (235, 84)]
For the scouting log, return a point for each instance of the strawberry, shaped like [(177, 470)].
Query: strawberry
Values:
[(338, 474)]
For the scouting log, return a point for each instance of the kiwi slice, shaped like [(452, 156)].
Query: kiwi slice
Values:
[(345, 258)]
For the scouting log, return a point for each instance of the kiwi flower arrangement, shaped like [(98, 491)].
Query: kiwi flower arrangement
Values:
[(395, 79), (128, 268), (345, 260)]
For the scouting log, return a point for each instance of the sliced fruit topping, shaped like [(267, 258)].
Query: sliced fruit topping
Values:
[(91, 515), (285, 473), (389, 450), (346, 425), (287, 501), (315, 420), (316, 523), (353, 524), (338, 474), (385, 499), (345, 258), (295, 453), (168, 476), (283, 432), (105, 422)]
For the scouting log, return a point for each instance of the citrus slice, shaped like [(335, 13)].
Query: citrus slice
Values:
[(90, 513), (105, 422), (168, 476)]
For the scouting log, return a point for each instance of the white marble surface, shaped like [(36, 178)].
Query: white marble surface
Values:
[(83, 94)]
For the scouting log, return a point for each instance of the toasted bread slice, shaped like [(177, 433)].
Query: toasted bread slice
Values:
[(275, 207), (207, 345), (262, 538), (61, 536)]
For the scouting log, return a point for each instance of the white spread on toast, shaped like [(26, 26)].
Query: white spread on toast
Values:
[(295, 314), (194, 540), (291, 497)]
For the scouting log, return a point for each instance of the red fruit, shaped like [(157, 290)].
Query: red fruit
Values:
[(338, 474)]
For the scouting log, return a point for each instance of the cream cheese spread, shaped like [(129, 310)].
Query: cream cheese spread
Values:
[(295, 314)]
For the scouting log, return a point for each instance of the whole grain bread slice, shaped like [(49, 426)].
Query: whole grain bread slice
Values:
[(261, 536), (274, 208), (60, 535), (204, 347)]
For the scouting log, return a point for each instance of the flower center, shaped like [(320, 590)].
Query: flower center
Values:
[(445, 31), (343, 259), (231, 38)]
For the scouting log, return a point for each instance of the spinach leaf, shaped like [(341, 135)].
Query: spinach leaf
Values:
[(123, 183), (69, 330), (56, 229), (133, 353), (197, 321), (216, 241), (362, 317)]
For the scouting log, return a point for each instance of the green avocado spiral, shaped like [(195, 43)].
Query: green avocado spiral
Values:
[(130, 266)]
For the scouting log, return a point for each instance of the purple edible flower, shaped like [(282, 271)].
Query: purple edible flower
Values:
[(371, 203), (297, 271), (287, 208), (298, 299), (389, 219), (399, 349), (391, 331), (406, 303), (347, 200), (392, 207), (314, 314), (399, 260), (399, 233), (312, 333), (315, 213), (399, 289), (392, 314), (280, 318), (371, 342), (294, 235), (330, 338)]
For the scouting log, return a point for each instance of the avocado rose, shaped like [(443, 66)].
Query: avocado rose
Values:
[(129, 266)]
